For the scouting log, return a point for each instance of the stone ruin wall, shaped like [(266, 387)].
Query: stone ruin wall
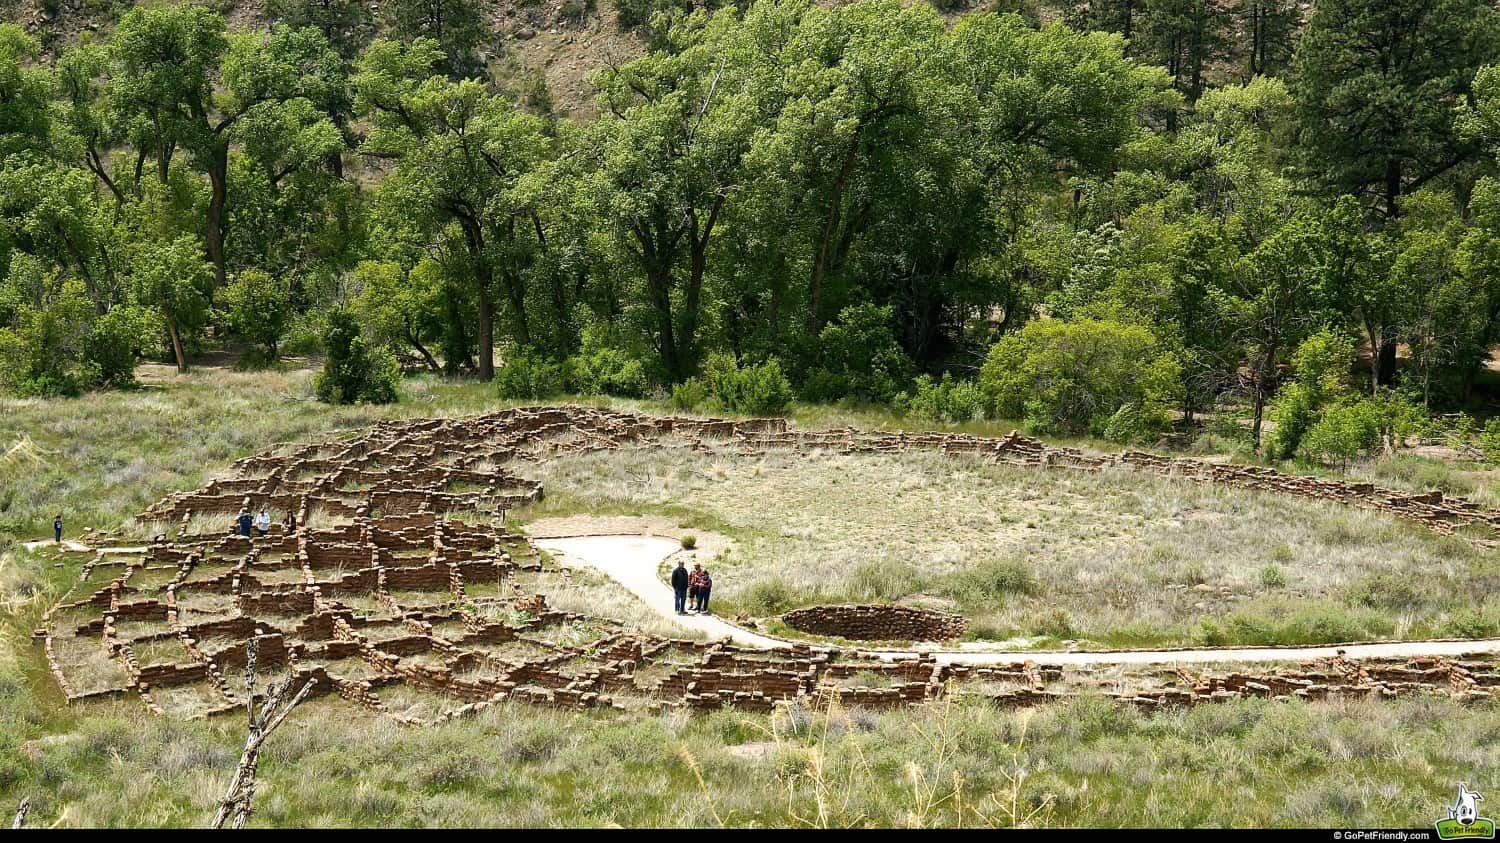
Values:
[(877, 623), (386, 594)]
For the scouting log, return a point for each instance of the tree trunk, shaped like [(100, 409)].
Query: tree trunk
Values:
[(486, 335), (1385, 362), (830, 225), (218, 177), (1260, 412), (485, 281), (659, 288), (176, 345), (411, 337)]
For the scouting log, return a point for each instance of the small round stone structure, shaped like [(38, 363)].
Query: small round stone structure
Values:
[(879, 622)]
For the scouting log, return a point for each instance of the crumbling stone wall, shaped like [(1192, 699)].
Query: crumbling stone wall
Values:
[(877, 623)]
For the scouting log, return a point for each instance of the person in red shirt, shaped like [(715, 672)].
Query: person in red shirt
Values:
[(694, 580), (705, 585)]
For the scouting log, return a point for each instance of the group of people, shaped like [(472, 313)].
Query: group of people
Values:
[(260, 524), (690, 589)]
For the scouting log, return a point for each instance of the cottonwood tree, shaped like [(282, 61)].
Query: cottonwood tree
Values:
[(460, 154), (668, 155), (181, 83), (171, 277)]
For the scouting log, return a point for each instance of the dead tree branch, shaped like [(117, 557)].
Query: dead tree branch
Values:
[(273, 710)]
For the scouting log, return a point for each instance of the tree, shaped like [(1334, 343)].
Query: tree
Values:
[(352, 371), (668, 155), (171, 277), (1075, 377), (1268, 27), (399, 308), (1276, 294), (181, 82), (345, 24), (461, 154), (25, 93), (455, 26), (1185, 36), (1377, 82), (1320, 369), (259, 309)]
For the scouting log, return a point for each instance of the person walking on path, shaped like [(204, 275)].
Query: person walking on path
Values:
[(244, 522), (680, 579), (693, 587), (705, 585), (57, 526), (263, 523)]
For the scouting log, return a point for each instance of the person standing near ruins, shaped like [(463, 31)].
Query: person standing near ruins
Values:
[(243, 521), (289, 523), (705, 585), (263, 523), (57, 525), (693, 581), (680, 579)]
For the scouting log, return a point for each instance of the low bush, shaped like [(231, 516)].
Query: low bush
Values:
[(755, 390), (528, 376), (689, 395), (1076, 377), (990, 581), (858, 357), (604, 371), (945, 400)]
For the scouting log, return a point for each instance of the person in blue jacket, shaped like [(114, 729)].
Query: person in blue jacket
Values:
[(244, 522)]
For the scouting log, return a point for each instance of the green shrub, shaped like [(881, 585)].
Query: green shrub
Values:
[(755, 390), (258, 308), (528, 376), (1385, 591), (1055, 622), (689, 395), (353, 372), (1130, 425), (858, 357), (1489, 440), (1317, 622), (689, 541), (991, 581), (1342, 433), (114, 344), (768, 597), (883, 579), (1272, 576), (605, 371), (1320, 366), (41, 353), (1074, 377), (1472, 623), (946, 400)]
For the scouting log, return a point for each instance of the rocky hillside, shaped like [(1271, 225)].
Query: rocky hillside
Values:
[(533, 38)]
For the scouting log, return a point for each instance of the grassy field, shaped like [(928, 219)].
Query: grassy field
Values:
[(1000, 544), (1247, 763), (1114, 558)]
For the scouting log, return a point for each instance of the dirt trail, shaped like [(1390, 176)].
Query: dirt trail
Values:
[(634, 561)]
